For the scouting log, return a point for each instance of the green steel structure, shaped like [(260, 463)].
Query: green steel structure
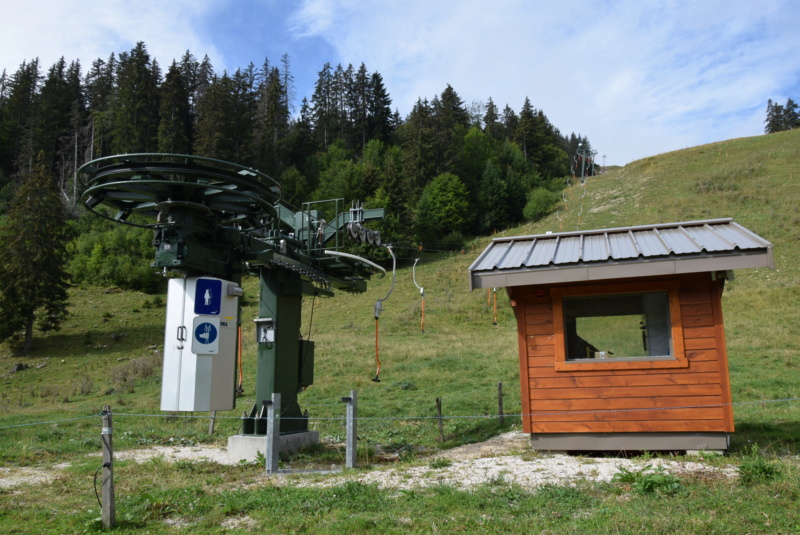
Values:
[(218, 219)]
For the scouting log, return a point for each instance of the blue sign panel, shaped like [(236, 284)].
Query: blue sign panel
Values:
[(205, 333), (208, 297)]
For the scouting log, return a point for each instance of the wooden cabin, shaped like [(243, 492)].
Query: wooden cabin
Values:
[(621, 338)]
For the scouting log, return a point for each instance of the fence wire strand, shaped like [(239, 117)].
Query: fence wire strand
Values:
[(390, 418)]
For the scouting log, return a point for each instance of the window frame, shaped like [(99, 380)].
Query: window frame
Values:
[(672, 288)]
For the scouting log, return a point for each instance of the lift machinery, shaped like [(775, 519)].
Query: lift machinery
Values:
[(214, 221)]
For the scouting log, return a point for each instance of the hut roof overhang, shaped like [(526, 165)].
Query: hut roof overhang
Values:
[(643, 251)]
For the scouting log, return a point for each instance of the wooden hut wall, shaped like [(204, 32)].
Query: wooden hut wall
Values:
[(605, 401)]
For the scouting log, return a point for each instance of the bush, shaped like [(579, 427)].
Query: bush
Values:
[(540, 203), (110, 254), (452, 242)]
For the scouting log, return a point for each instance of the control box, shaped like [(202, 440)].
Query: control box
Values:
[(200, 344)]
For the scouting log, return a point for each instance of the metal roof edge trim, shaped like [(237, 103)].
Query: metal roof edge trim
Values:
[(623, 229)]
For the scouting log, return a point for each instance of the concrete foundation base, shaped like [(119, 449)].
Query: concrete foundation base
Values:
[(630, 441), (246, 447)]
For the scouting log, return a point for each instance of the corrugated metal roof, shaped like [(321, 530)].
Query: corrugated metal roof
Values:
[(717, 244)]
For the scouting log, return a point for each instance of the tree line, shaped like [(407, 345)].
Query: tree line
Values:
[(342, 141), (444, 171), (781, 117)]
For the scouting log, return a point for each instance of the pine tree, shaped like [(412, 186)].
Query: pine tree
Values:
[(360, 100), (322, 106), (287, 80), (510, 121), (189, 67), (33, 281), (419, 149), (60, 116), (19, 119), (300, 146), (175, 126), (493, 200), (381, 123), (214, 135), (244, 109), (271, 121), (99, 87), (451, 121), (491, 122), (74, 140), (791, 116), (773, 122), (134, 105)]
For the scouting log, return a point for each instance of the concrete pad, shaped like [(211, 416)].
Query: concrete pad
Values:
[(246, 447)]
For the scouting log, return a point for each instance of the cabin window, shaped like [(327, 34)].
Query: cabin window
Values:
[(618, 326)]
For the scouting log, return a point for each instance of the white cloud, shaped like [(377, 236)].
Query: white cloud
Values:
[(636, 79), (87, 30)]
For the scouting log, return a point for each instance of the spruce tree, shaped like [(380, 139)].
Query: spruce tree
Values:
[(381, 125), (791, 116), (773, 121), (174, 127), (19, 117), (134, 106), (33, 279), (419, 150), (322, 106), (491, 122), (98, 87)]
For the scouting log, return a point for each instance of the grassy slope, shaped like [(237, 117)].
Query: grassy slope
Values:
[(108, 352), (462, 356)]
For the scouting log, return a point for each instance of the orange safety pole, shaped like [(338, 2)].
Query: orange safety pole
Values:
[(378, 309), (377, 377), (422, 322)]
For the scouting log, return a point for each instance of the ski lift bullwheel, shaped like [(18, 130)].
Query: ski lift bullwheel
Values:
[(153, 184)]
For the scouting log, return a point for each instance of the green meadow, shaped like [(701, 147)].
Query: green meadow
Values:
[(109, 353)]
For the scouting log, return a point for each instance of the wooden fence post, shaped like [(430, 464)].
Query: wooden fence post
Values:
[(211, 422), (439, 417), (108, 508), (500, 402)]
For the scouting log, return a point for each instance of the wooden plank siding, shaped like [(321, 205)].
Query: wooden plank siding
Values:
[(630, 400)]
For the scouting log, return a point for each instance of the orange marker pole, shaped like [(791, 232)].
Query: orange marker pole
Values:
[(422, 322), (377, 358)]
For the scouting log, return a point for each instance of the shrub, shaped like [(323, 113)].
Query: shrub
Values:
[(540, 203), (452, 242)]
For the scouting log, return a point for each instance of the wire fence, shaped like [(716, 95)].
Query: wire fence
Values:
[(405, 418)]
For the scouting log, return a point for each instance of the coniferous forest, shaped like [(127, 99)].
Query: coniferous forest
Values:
[(444, 171)]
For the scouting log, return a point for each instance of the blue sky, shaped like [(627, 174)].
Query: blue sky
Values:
[(638, 78)]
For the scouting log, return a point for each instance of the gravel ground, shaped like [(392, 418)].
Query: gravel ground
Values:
[(505, 458)]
